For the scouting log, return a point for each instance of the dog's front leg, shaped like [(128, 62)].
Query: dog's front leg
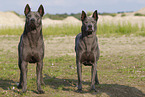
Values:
[(93, 76), (96, 76), (24, 75), (79, 72), (39, 76)]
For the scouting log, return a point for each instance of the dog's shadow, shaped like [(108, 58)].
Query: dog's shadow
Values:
[(113, 90), (57, 83), (6, 84)]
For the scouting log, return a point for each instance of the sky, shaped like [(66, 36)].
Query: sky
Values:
[(73, 6)]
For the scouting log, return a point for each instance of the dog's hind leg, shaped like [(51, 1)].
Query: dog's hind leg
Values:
[(39, 76), (42, 82), (24, 75), (79, 72), (96, 78)]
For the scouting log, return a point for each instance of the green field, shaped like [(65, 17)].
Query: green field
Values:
[(105, 29), (121, 67)]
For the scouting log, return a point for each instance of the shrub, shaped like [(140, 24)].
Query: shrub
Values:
[(110, 14), (123, 14), (139, 14)]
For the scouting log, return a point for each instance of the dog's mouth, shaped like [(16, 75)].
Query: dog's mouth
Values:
[(32, 26), (89, 32)]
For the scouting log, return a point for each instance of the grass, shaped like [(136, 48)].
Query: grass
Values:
[(62, 30), (103, 29), (60, 75), (120, 74), (119, 29)]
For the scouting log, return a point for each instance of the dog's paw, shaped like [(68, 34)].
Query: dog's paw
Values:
[(41, 92), (23, 91), (93, 90), (79, 90), (19, 86), (97, 83)]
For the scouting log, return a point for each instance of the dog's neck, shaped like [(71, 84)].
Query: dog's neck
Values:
[(85, 34), (33, 35)]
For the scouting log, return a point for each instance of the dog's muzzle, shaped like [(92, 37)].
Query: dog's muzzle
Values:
[(89, 32), (89, 29), (32, 24)]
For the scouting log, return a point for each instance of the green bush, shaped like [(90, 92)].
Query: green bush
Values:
[(110, 14), (56, 17), (139, 14), (123, 14)]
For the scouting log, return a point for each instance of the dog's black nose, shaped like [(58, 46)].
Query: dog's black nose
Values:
[(32, 20), (90, 26)]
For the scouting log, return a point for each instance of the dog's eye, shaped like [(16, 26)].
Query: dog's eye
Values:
[(37, 16), (28, 16)]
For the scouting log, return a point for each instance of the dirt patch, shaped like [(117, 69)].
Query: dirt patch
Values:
[(123, 45), (58, 46)]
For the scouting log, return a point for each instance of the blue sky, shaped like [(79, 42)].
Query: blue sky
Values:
[(73, 6)]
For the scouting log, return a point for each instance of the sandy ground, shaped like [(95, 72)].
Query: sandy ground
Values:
[(58, 46), (113, 45), (10, 19)]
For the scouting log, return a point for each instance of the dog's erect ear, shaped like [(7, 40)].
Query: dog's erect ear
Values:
[(83, 16), (41, 10), (95, 15), (27, 9)]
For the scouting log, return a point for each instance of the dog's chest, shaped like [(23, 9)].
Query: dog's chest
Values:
[(32, 53), (88, 52), (87, 58), (88, 44)]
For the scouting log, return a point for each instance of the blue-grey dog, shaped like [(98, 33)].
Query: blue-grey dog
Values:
[(31, 47), (87, 49)]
